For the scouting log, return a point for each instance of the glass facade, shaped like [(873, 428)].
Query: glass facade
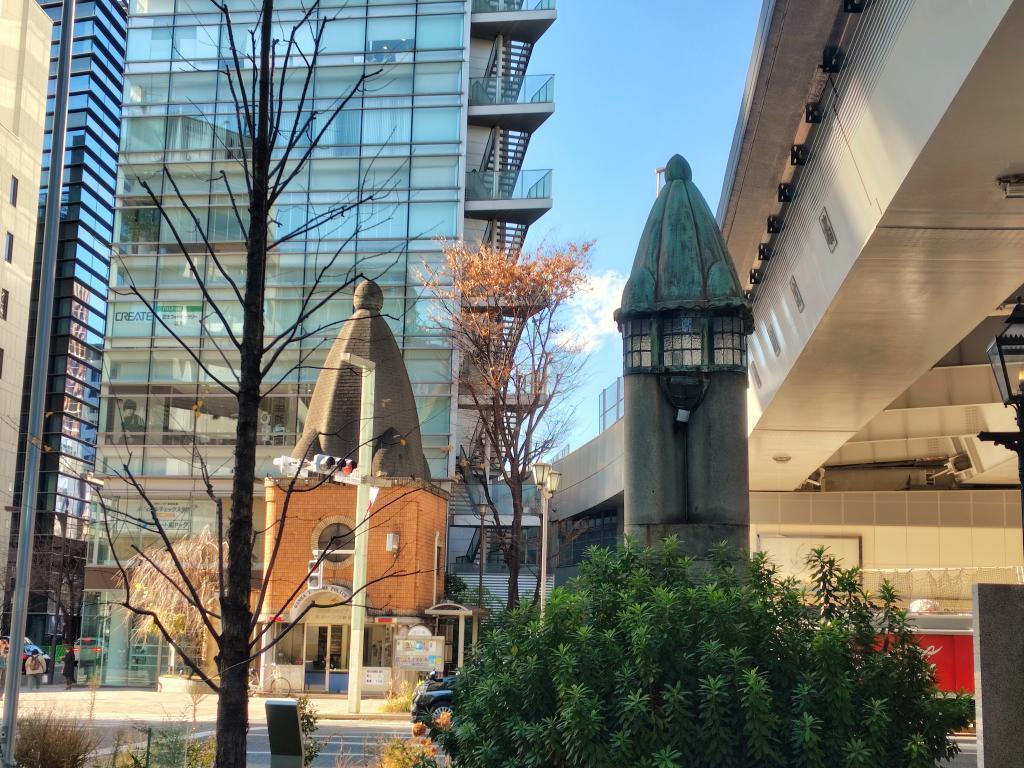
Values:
[(578, 534), (79, 312), (406, 138), (401, 139)]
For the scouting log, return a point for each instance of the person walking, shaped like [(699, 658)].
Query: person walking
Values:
[(5, 650), (35, 667), (70, 664)]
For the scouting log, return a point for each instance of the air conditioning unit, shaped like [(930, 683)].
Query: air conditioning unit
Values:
[(316, 575)]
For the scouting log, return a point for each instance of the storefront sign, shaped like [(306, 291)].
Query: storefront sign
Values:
[(140, 318), (377, 678), (334, 595), (174, 515), (421, 654)]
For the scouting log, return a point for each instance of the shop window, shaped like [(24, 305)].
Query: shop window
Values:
[(289, 649)]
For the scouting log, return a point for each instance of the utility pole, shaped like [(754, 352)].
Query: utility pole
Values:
[(367, 402), (40, 367)]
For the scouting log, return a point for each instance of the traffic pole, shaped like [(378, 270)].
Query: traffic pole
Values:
[(40, 365)]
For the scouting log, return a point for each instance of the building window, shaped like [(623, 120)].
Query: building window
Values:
[(681, 342), (728, 341), (5, 297), (774, 340), (14, 190), (636, 344), (9, 248), (333, 538), (576, 535), (1, 362), (797, 296)]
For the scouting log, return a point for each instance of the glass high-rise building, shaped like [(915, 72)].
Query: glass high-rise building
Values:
[(79, 313), (439, 135)]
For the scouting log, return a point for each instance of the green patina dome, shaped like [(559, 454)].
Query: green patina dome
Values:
[(682, 261)]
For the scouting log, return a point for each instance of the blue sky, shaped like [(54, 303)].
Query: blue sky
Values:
[(635, 82)]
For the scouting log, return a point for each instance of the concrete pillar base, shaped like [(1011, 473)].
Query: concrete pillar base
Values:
[(999, 673), (694, 538)]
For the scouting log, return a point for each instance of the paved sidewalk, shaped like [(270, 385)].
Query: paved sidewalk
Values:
[(141, 706)]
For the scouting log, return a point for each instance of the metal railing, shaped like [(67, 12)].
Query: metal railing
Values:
[(512, 6), (508, 185), (491, 91)]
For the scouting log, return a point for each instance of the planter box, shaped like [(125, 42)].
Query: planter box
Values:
[(175, 684)]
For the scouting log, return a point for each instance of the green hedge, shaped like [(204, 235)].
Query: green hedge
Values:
[(650, 659)]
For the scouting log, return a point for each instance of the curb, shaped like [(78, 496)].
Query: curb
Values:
[(394, 717)]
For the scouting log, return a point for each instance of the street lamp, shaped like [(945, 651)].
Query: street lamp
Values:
[(547, 480), (1006, 356)]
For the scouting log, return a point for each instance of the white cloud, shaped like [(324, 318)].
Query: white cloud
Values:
[(588, 317)]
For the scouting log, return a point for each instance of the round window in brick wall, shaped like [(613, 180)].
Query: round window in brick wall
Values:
[(335, 537)]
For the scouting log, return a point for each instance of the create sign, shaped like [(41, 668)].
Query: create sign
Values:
[(421, 654)]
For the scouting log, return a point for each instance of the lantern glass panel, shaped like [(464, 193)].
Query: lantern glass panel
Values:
[(681, 342), (728, 341), (1006, 356), (636, 344)]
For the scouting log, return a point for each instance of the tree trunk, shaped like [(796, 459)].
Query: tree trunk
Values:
[(513, 555), (236, 613)]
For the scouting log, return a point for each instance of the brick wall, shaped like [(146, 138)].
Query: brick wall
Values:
[(401, 582)]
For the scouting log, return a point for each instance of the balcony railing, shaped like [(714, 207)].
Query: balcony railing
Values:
[(512, 6), (508, 185), (492, 91)]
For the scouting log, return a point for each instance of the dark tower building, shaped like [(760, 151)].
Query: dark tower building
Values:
[(79, 313), (684, 322)]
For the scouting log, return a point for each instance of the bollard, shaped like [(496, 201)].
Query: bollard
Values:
[(284, 733)]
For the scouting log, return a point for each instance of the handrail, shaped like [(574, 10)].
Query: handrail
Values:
[(512, 6), (532, 89), (508, 185)]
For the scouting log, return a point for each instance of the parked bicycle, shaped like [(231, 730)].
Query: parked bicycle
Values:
[(277, 684)]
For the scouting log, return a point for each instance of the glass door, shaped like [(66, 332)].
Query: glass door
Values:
[(338, 658), (315, 657)]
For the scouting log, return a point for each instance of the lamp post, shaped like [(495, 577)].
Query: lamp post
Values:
[(547, 481), (1006, 356)]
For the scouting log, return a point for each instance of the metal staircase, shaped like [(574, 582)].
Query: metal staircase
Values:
[(506, 149), (511, 152), (505, 235)]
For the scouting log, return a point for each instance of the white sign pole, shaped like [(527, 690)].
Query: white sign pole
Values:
[(366, 413)]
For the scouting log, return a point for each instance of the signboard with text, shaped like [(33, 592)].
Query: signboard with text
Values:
[(421, 654)]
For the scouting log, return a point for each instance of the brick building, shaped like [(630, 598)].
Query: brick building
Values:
[(405, 576)]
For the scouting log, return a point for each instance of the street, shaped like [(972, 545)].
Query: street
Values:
[(356, 741), (130, 712)]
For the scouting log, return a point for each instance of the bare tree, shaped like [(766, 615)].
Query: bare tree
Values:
[(502, 311), (162, 589), (268, 68)]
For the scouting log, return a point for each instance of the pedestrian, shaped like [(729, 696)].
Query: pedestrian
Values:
[(5, 649), (70, 664), (35, 666)]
